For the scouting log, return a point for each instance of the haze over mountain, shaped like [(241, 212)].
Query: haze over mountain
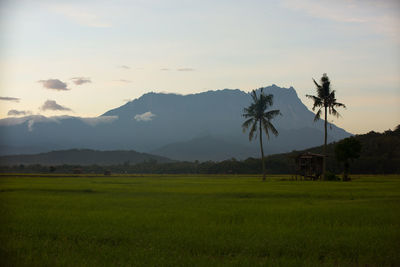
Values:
[(82, 157), (203, 126)]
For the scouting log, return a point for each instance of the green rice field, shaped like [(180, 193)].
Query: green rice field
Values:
[(178, 220)]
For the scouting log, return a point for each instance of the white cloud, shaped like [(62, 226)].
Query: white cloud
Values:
[(81, 15), (123, 81), (147, 116), (380, 16), (31, 120), (98, 120), (185, 69)]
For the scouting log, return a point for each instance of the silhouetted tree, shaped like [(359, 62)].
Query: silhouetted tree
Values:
[(397, 129), (258, 118), (325, 101), (345, 150)]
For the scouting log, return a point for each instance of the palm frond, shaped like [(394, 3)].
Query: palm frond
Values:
[(254, 96), (272, 113), (256, 113), (334, 112), (253, 131), (246, 124), (267, 125), (316, 84), (318, 102), (268, 100), (336, 104), (318, 115)]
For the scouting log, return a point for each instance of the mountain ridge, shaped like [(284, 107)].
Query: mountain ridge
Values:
[(155, 121)]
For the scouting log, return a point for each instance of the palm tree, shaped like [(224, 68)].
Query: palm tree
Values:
[(257, 118), (325, 99)]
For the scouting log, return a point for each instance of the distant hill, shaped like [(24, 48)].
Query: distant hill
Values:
[(380, 153), (199, 126), (82, 157)]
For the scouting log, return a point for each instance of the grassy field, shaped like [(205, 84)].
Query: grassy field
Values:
[(198, 221)]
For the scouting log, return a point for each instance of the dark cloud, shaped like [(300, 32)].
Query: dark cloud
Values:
[(124, 67), (5, 98), (185, 69), (80, 80), (14, 112), (52, 105), (54, 84)]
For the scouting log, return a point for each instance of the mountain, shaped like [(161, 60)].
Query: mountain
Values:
[(202, 146), (82, 157), (199, 126)]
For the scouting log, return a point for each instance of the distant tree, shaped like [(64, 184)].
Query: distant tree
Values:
[(258, 118), (325, 100), (346, 150), (397, 129)]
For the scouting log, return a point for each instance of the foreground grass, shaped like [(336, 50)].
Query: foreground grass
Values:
[(198, 220)]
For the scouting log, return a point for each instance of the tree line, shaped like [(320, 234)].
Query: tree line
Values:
[(379, 154)]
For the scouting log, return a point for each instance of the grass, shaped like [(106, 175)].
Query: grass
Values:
[(198, 221)]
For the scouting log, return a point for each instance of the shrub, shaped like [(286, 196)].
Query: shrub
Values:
[(330, 176)]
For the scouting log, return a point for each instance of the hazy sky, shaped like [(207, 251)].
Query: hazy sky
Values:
[(83, 58)]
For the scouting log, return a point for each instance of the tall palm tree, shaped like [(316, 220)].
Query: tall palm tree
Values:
[(258, 118), (325, 99)]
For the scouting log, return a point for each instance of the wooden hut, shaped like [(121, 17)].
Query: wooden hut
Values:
[(309, 165)]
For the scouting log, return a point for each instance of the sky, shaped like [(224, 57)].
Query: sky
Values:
[(83, 58)]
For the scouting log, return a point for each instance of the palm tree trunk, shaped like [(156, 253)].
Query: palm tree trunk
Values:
[(262, 153), (325, 141)]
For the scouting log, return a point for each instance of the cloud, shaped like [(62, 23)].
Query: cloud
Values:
[(54, 84), (32, 119), (82, 16), (124, 67), (97, 120), (379, 16), (14, 112), (185, 69), (14, 99), (123, 81), (13, 121), (39, 118), (52, 105), (147, 116), (80, 80)]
